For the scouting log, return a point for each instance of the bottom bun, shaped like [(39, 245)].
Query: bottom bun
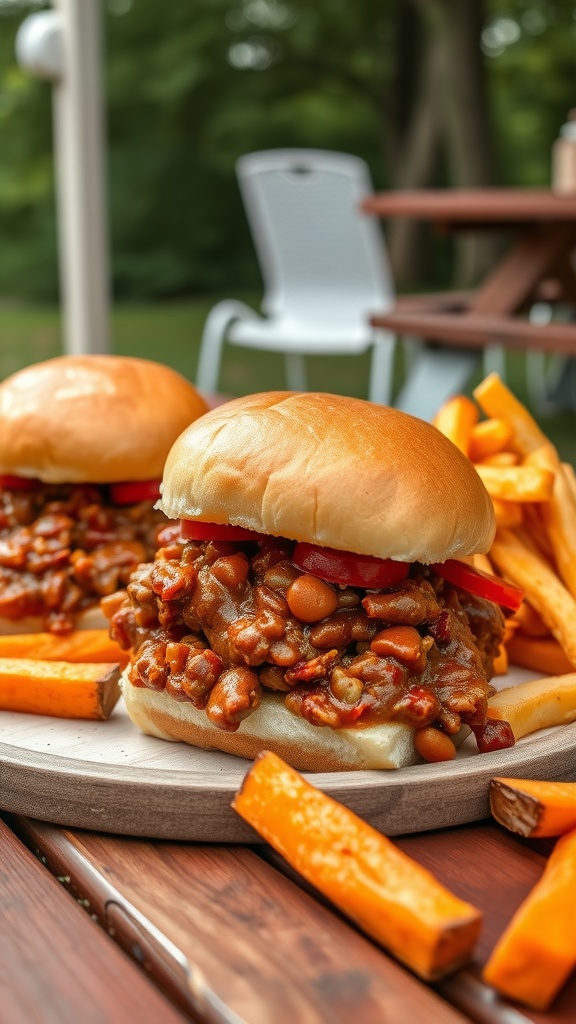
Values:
[(92, 618), (308, 748)]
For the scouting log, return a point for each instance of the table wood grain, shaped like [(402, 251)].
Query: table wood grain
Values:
[(473, 206), (56, 965), (254, 942)]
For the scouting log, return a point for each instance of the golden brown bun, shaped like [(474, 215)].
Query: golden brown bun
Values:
[(93, 419), (309, 748), (330, 470), (92, 618)]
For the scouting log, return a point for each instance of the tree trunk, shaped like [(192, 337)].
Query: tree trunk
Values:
[(465, 121), (449, 111), (413, 159)]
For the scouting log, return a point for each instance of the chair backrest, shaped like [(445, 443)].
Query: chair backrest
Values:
[(320, 257)]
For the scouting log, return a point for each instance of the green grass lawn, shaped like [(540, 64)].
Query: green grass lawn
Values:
[(170, 332)]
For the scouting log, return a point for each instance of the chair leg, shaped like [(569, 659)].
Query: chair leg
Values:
[(218, 321), (382, 369), (494, 361), (296, 377), (438, 374)]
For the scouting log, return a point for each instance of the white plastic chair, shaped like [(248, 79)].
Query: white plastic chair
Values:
[(323, 263)]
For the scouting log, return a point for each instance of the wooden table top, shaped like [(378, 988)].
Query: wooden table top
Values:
[(454, 205), (227, 934)]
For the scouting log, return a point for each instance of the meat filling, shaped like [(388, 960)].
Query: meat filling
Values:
[(213, 624), (63, 547)]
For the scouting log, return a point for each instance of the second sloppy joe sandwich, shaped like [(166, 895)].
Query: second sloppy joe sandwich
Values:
[(310, 598), (83, 441)]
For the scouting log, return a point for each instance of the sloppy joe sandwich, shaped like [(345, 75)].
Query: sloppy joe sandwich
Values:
[(83, 441), (311, 597)]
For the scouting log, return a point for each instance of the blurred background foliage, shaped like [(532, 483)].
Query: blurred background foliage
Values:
[(428, 91)]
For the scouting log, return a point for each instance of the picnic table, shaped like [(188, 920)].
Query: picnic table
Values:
[(108, 930), (536, 264)]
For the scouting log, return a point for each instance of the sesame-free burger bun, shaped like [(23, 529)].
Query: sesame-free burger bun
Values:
[(93, 419), (308, 748), (330, 470)]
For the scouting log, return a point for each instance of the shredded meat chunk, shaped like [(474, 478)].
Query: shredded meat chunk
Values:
[(211, 623), (63, 547)]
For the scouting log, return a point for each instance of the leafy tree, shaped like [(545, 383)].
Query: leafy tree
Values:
[(427, 91)]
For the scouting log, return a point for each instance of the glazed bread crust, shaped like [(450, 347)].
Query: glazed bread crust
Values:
[(93, 419), (330, 470)]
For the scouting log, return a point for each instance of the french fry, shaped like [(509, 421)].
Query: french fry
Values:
[(517, 483), (546, 593), (483, 563), (489, 438), (501, 661), (510, 627), (537, 952), (92, 645), (456, 419), (529, 621), (507, 513), (541, 654), (570, 477), (535, 529), (536, 810), (59, 688), (559, 517), (535, 705), (496, 400), (500, 459), (544, 457), (394, 900)]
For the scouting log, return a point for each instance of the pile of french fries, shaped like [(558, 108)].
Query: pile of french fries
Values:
[(534, 497)]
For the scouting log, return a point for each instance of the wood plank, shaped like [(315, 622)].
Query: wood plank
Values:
[(259, 945), (476, 207), (509, 286), (56, 965), (479, 330), (495, 871)]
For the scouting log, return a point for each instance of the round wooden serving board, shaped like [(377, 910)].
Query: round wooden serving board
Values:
[(108, 776)]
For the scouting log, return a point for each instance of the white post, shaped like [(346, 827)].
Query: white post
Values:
[(70, 36)]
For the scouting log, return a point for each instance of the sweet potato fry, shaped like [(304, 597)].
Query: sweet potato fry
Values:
[(536, 810), (537, 951), (517, 483), (535, 705), (489, 437), (59, 688), (543, 589), (541, 654), (495, 399), (388, 895), (456, 419), (92, 645), (500, 459)]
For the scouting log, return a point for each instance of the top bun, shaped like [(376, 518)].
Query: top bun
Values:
[(333, 471), (93, 419)]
